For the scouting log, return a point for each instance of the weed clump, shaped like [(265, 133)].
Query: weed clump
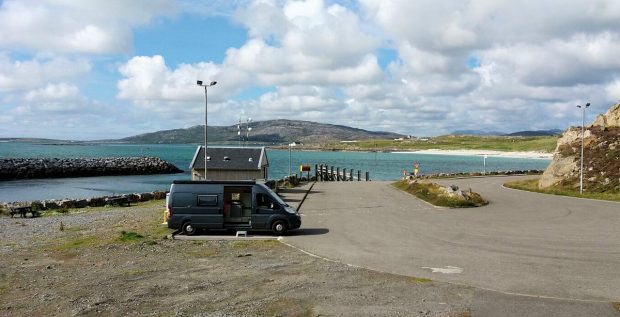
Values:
[(130, 236)]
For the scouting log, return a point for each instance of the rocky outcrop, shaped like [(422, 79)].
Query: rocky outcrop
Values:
[(610, 119), (23, 168), (601, 156)]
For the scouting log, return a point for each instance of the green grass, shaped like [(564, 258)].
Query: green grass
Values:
[(532, 186), (451, 142), (6, 281), (130, 236), (289, 307), (432, 193), (418, 280)]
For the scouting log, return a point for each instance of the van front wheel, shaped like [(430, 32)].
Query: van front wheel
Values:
[(279, 227), (189, 229)]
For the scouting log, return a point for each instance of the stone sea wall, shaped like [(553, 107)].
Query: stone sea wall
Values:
[(24, 168), (64, 204)]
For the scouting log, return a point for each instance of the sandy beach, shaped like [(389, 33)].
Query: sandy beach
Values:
[(490, 153)]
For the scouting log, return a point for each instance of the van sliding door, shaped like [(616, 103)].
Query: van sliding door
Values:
[(209, 211)]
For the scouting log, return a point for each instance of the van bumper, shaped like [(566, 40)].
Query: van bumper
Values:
[(295, 222), (174, 223)]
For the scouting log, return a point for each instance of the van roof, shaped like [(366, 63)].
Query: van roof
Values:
[(248, 182)]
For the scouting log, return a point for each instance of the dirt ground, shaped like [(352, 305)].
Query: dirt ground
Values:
[(117, 261)]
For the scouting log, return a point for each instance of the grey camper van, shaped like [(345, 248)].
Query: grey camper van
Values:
[(240, 205)]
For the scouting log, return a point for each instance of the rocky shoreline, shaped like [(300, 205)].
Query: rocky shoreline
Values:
[(63, 205), (26, 168)]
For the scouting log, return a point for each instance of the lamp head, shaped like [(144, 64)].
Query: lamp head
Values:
[(213, 83), (587, 105), (199, 82)]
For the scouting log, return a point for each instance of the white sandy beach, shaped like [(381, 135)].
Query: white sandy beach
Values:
[(490, 153)]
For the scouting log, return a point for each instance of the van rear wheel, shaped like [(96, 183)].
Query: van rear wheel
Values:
[(279, 227), (189, 229)]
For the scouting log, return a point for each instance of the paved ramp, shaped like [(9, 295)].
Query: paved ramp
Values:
[(521, 243)]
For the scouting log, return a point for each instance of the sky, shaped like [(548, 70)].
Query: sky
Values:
[(106, 69)]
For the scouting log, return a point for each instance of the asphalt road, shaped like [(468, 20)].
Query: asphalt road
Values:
[(526, 244)]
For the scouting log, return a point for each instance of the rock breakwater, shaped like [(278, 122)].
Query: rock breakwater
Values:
[(25, 168)]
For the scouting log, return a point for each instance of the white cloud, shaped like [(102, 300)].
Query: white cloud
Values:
[(26, 74), (480, 64), (613, 90), (53, 92), (148, 80), (99, 27)]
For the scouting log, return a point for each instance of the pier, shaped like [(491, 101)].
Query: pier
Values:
[(326, 173)]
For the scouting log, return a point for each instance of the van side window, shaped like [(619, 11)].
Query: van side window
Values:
[(207, 200), (182, 199)]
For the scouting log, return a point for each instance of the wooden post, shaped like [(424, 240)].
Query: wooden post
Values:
[(337, 174), (367, 176), (316, 172), (359, 175), (344, 174), (331, 173)]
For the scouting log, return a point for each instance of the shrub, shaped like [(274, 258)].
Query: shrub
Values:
[(436, 194)]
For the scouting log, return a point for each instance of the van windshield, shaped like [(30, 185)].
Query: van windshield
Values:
[(274, 195)]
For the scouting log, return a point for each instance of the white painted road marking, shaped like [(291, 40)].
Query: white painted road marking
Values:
[(446, 270)]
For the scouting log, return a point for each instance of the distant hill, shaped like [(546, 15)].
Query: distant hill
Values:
[(519, 133), (537, 133), (270, 131), (476, 132)]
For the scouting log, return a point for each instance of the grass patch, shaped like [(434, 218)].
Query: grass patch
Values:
[(77, 243), (285, 307), (434, 194), (455, 142), (532, 186), (418, 280), (5, 282), (130, 236)]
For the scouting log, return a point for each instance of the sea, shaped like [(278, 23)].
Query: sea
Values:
[(380, 165)]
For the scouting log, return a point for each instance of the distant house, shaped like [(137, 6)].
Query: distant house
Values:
[(230, 164)]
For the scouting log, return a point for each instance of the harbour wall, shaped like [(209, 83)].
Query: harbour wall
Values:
[(26, 168)]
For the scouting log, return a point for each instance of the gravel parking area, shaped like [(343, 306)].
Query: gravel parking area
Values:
[(87, 269)]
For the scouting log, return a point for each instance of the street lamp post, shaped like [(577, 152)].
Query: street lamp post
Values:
[(583, 122), (199, 83)]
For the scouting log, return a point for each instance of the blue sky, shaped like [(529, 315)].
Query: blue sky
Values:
[(109, 69)]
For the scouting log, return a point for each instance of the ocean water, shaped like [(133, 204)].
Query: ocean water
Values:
[(381, 166)]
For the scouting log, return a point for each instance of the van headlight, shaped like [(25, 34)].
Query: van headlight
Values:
[(290, 210)]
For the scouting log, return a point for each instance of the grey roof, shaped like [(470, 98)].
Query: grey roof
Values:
[(241, 159)]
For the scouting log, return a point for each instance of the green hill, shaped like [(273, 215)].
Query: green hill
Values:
[(271, 131)]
